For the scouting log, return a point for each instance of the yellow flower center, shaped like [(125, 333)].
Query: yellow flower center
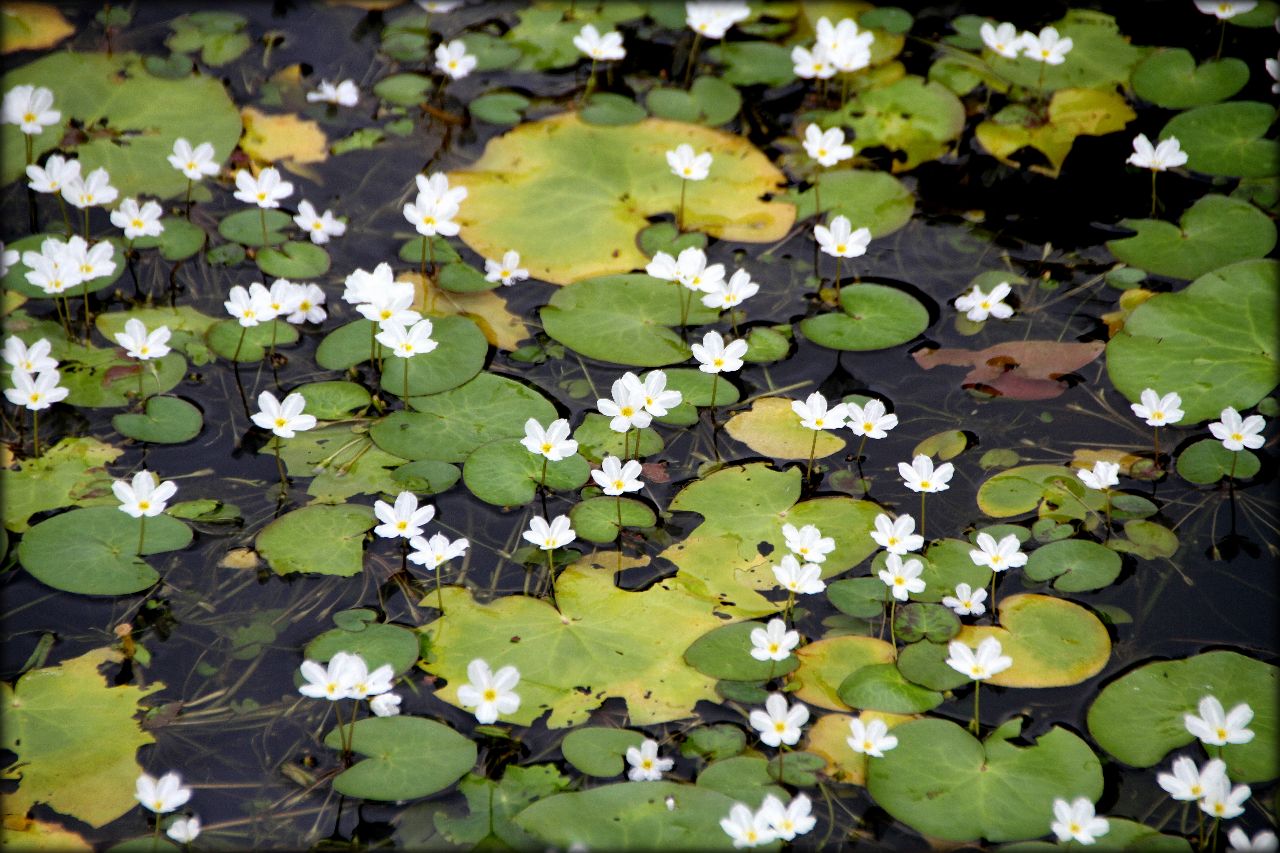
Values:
[(924, 484), (29, 117), (986, 304), (1222, 734), (718, 362), (840, 247), (627, 411), (280, 422), (491, 695), (158, 805), (868, 745), (975, 670), (546, 447), (191, 166), (385, 314), (822, 152), (402, 525), (687, 171), (868, 426), (819, 421), (428, 220), (1237, 436), (550, 543), (138, 223), (144, 349), (995, 559), (331, 688), (144, 504), (780, 726), (262, 196), (647, 764), (1074, 827), (36, 396), (618, 484), (899, 581)]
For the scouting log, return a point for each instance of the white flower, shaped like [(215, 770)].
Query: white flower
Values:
[(332, 682), (389, 305), (8, 257), (1167, 155), (1225, 9), (1103, 476), (453, 60), (921, 476), (407, 341), (658, 401), (729, 294), (872, 739), (983, 664), (902, 578), (492, 694), (184, 830), (966, 601), (998, 556), (508, 272), (1273, 68), (364, 683), (37, 392), (140, 344), (1224, 802), (1003, 39), (344, 94), (854, 56), (385, 705), (812, 64), (977, 305), (774, 641), (616, 477), (138, 221), (626, 409), (713, 19), (690, 269), (54, 176), (814, 413), (146, 496), (1234, 433), (436, 186), (685, 164), (778, 723), (249, 307), (404, 519), (310, 307), (713, 356), (646, 764), (808, 543), (553, 442), (319, 227), (870, 420), (1187, 783), (266, 191), (548, 537), (1215, 727), (94, 190), (53, 269), (790, 820), (90, 262), (284, 418), (1157, 410), (1077, 821), (827, 147), (365, 286), (1047, 47), (437, 551), (599, 47), (840, 240), (161, 795), (747, 828), (431, 215), (30, 108), (1263, 842), (32, 359), (196, 163), (897, 536), (803, 579), (439, 7), (283, 297)]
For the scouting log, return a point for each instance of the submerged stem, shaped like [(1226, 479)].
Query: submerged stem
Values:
[(142, 532)]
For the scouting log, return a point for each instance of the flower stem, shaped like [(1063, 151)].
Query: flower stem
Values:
[(1157, 432), (1153, 192), (235, 358), (542, 480), (405, 398), (838, 278), (893, 628), (680, 212), (423, 259), (284, 482), (35, 432), (813, 447), (922, 536), (262, 217), (976, 725), (188, 199), (141, 393), (619, 506), (995, 617), (551, 574), (686, 296), (693, 59), (439, 589), (791, 601), (142, 532), (66, 217)]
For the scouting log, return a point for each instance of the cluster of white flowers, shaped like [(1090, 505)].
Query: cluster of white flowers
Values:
[(347, 676), (841, 48), (164, 795), (773, 821), (34, 373), (1048, 46)]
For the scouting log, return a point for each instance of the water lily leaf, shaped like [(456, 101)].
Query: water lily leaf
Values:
[(498, 107), (1030, 487), (427, 476), (912, 116), (1169, 78), (219, 36), (623, 319), (1227, 139), (449, 425), (828, 737), (463, 291), (925, 663), (147, 111), (1213, 342), (459, 355), (377, 642), (771, 428), (70, 473), (409, 90), (596, 440), (946, 564), (696, 388), (880, 687), (825, 664), (710, 101), (767, 344), (861, 597), (16, 278), (227, 337), (81, 764), (25, 835), (610, 110), (713, 743), (493, 807), (630, 815), (1077, 565), (593, 648), (980, 789), (1207, 461), (1053, 642), (349, 345), (613, 179), (504, 473), (1215, 231), (545, 33), (293, 260), (874, 317), (745, 778), (800, 769), (94, 551), (286, 139), (31, 26), (749, 63), (334, 400), (407, 758), (1138, 718), (874, 200), (596, 519), (245, 226), (166, 420), (947, 444), (326, 540), (1072, 113), (179, 240), (664, 237), (725, 653), (1101, 57), (920, 620), (342, 461), (1146, 539), (599, 751), (1020, 370)]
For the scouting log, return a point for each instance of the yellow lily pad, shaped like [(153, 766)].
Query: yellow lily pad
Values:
[(1072, 113), (771, 428), (1053, 642), (270, 139), (20, 834), (486, 309), (31, 26), (828, 737), (827, 663)]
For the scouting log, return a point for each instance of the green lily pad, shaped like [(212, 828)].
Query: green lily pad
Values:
[(1101, 57), (825, 664), (459, 355), (458, 277), (1207, 461), (349, 345), (219, 36), (596, 519), (166, 420), (180, 239), (864, 598), (427, 476), (94, 551), (409, 90), (147, 111), (334, 400), (16, 278), (1146, 539), (1138, 718), (599, 751), (971, 784), (725, 653), (377, 642), (664, 237), (493, 807), (610, 110), (245, 226), (1215, 231), (77, 763), (881, 687), (491, 53), (874, 317), (710, 101), (745, 778), (1169, 78), (570, 196), (294, 260), (325, 540), (713, 743), (1213, 342), (1027, 488), (623, 319), (596, 439), (1075, 565), (925, 621), (1227, 139), (504, 473), (1053, 642), (696, 389), (911, 115), (1072, 113), (498, 107), (224, 337), (69, 473), (407, 758), (749, 63), (767, 344), (925, 663), (946, 564), (341, 461), (874, 200), (545, 32)]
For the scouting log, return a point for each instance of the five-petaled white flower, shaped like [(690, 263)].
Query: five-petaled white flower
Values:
[(1157, 410), (310, 307), (812, 64), (140, 344), (364, 683), (492, 694), (249, 307), (921, 476), (1234, 432), (35, 392), (196, 163), (983, 664), (1264, 841), (795, 577), (687, 165), (332, 682), (779, 723), (145, 496), (657, 399), (646, 764), (453, 60), (1047, 47), (808, 543), (436, 185), (1003, 39), (318, 226), (184, 830), (626, 409), (732, 293), (814, 413), (773, 641), (713, 19), (747, 828), (432, 215), (90, 261), (998, 556), (389, 305), (93, 190), (162, 795), (283, 296), (597, 46), (714, 356), (1216, 727), (616, 477), (52, 269), (55, 173), (897, 535), (32, 359), (283, 417), (840, 240), (902, 578), (1077, 821), (872, 739), (508, 271), (548, 537), (344, 94), (407, 341), (1189, 783), (30, 108), (138, 220), (553, 442), (436, 551), (404, 519), (266, 191), (977, 305), (1225, 9), (967, 601), (1225, 802), (385, 705), (827, 147), (795, 818), (1167, 155), (870, 420), (1103, 476), (689, 269)]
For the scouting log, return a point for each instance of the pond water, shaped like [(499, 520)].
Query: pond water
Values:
[(215, 644)]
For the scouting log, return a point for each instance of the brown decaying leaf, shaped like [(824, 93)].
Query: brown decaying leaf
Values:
[(31, 26), (1021, 370)]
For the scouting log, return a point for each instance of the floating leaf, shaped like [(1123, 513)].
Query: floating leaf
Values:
[(610, 110), (725, 653), (945, 445), (498, 107), (1053, 642), (920, 620), (829, 738), (179, 240), (880, 687), (874, 200), (245, 226), (1077, 565), (68, 473), (459, 355), (94, 551), (1169, 78), (745, 778), (1227, 139), (596, 439), (377, 642), (615, 179), (473, 299), (1213, 342), (166, 420), (912, 116), (874, 317), (1207, 461), (271, 139), (771, 428), (710, 101), (596, 519), (407, 758), (493, 807), (825, 664), (334, 400), (31, 26), (696, 389), (665, 237), (326, 540), (599, 751), (545, 33), (410, 90), (1215, 231), (219, 36), (1030, 487), (1072, 113), (24, 835), (925, 663), (247, 344), (714, 742), (504, 473), (1139, 717), (748, 63), (1146, 539), (341, 460), (1020, 370), (1101, 57), (767, 344), (293, 260), (427, 476)]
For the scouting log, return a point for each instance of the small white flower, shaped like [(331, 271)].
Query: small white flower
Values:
[(791, 820), (138, 221), (966, 601), (646, 764), (32, 359), (30, 108), (436, 551), (616, 477), (1003, 39), (1189, 783), (734, 292), (453, 60), (774, 641), (1225, 9), (385, 705), (508, 272), (779, 723), (998, 556), (801, 579), (1077, 821), (870, 420), (1225, 802), (283, 418), (332, 682), (871, 739), (658, 400), (184, 830), (1047, 47), (266, 191), (714, 356), (389, 305), (1263, 841), (1234, 433), (548, 537), (94, 190), (921, 476), (162, 795), (405, 519), (626, 409), (712, 19), (310, 307), (140, 344), (249, 307), (687, 165), (814, 413), (196, 163), (827, 147), (1156, 410), (1103, 476), (431, 215), (808, 543), (35, 392), (344, 94), (436, 186), (407, 341), (1216, 727), (747, 828), (812, 64), (55, 174), (980, 665), (897, 536), (319, 227), (902, 578), (1167, 155), (146, 496), (553, 442), (599, 47), (840, 240), (492, 694), (977, 305)]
